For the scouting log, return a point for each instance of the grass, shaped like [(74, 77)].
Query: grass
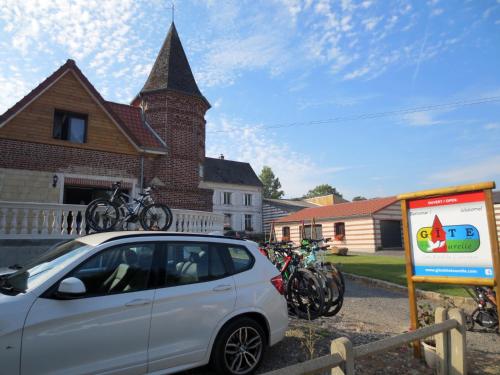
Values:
[(390, 269)]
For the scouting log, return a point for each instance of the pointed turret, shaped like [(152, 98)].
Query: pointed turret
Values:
[(171, 70), (174, 107)]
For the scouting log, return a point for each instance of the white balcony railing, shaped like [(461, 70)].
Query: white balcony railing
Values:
[(20, 220)]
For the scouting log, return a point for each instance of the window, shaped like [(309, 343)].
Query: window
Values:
[(227, 197), (70, 126), (339, 231), (227, 221), (189, 263), (248, 199), (242, 259), (120, 269), (248, 223), (310, 232), (285, 234)]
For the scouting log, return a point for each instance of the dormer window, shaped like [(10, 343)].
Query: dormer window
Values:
[(70, 126)]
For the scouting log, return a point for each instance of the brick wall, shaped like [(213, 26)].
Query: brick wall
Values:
[(54, 158), (179, 120), (17, 156)]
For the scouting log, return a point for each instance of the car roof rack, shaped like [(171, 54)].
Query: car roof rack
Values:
[(149, 234)]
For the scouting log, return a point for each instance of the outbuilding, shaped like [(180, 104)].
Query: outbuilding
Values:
[(363, 226)]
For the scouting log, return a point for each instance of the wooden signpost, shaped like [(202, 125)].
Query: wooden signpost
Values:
[(450, 237)]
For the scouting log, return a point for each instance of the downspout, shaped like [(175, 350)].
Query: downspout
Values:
[(141, 181)]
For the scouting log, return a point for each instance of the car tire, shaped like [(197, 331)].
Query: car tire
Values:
[(239, 348)]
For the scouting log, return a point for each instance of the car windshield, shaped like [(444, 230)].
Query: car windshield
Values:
[(42, 268)]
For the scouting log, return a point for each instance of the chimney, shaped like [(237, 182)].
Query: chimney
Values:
[(221, 157)]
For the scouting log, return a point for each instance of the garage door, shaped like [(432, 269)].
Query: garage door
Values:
[(391, 234)]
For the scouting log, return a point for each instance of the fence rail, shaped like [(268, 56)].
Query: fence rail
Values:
[(449, 332), (28, 220)]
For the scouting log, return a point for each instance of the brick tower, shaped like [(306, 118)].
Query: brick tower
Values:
[(175, 108)]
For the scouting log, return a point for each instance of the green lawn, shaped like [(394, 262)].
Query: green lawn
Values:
[(387, 268)]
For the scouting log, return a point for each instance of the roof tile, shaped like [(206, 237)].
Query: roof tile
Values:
[(229, 172), (358, 208), (132, 119)]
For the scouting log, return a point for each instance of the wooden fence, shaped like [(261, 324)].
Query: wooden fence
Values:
[(449, 333)]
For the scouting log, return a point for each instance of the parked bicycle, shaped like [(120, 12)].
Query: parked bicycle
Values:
[(313, 287), (486, 312), (120, 209)]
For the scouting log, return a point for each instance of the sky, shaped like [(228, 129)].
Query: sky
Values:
[(298, 85)]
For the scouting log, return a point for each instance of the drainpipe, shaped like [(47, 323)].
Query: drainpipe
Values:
[(141, 180)]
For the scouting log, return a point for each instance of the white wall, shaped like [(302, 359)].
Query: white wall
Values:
[(237, 208)]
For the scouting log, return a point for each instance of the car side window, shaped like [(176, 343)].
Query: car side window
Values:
[(189, 263), (241, 258), (120, 269)]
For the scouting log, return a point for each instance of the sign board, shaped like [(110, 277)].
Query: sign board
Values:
[(449, 236)]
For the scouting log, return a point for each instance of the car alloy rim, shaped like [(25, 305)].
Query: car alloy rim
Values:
[(243, 350)]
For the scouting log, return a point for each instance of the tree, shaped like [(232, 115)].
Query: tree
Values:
[(272, 184), (323, 189), (359, 198)]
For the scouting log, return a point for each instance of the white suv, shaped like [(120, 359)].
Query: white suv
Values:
[(141, 302)]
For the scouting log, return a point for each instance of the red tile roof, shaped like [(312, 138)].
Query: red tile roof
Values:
[(132, 119), (358, 208), (127, 120)]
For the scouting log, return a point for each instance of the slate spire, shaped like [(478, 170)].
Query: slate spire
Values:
[(171, 70)]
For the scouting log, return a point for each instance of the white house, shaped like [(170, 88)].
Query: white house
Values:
[(237, 193)]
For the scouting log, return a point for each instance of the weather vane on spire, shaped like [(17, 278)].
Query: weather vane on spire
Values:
[(173, 11)]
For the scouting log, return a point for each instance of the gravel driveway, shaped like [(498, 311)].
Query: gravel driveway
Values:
[(370, 313)]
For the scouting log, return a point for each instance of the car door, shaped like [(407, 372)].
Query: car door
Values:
[(198, 293), (106, 329)]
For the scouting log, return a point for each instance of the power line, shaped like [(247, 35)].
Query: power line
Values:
[(373, 115)]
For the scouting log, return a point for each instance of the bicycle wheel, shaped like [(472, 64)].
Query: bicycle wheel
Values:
[(156, 216), (305, 294), (335, 273), (102, 215)]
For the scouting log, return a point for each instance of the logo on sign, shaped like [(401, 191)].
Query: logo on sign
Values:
[(448, 238)]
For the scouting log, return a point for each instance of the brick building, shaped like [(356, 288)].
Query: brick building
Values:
[(63, 143)]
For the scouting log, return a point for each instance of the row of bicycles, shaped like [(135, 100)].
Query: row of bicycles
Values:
[(314, 287)]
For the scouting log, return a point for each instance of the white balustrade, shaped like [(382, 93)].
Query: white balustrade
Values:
[(50, 220)]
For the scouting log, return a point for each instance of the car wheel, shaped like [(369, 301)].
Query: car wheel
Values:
[(239, 348)]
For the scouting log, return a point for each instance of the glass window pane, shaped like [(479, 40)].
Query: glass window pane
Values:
[(76, 131), (217, 268), (187, 263), (117, 270), (242, 260)]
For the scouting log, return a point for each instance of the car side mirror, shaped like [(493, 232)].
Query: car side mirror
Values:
[(71, 287)]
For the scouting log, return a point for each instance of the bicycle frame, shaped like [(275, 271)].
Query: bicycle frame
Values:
[(131, 209)]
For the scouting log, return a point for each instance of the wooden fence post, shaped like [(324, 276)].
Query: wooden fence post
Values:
[(442, 341), (457, 364), (343, 346)]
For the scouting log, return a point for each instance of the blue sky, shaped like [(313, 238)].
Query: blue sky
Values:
[(268, 63)]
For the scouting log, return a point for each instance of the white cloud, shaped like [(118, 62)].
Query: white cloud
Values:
[(370, 23), (492, 126), (97, 34), (422, 119), (474, 172), (227, 58), (437, 12), (297, 172), (11, 86)]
